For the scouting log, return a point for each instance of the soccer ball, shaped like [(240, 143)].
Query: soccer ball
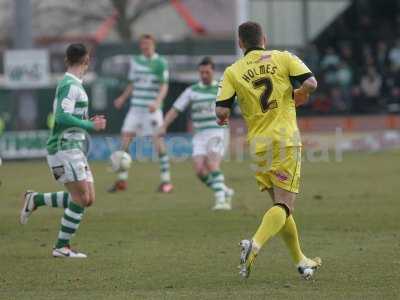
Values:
[(120, 161)]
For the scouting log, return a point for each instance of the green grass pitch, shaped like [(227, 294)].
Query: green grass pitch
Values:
[(143, 245)]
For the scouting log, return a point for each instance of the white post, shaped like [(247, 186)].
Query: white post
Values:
[(23, 39), (23, 24), (242, 15)]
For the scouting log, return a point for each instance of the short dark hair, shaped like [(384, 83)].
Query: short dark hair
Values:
[(251, 34), (205, 61), (147, 36), (75, 54)]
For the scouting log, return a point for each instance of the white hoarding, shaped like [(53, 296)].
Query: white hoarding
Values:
[(25, 69)]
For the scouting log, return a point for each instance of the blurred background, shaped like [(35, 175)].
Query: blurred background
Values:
[(353, 47)]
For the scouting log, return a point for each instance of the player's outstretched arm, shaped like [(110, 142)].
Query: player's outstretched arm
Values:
[(120, 101), (97, 123), (69, 120), (67, 96), (302, 94), (179, 106), (170, 117), (162, 93)]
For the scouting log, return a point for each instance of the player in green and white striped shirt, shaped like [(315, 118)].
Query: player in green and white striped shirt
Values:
[(209, 140), (66, 158), (147, 90)]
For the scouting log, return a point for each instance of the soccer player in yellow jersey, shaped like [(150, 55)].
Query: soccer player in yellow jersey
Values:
[(261, 81)]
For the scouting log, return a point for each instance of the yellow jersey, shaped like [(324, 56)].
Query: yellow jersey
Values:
[(262, 83)]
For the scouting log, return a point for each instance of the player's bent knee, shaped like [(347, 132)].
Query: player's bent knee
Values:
[(213, 165), (285, 198), (286, 206), (127, 137), (201, 173), (91, 201), (127, 134), (200, 169), (84, 199), (160, 144)]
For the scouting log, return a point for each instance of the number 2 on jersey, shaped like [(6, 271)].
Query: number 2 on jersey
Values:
[(265, 82)]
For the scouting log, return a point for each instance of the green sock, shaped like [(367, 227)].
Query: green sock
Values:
[(218, 185), (57, 199), (164, 168), (206, 179), (69, 224)]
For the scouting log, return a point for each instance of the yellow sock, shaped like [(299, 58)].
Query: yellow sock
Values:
[(273, 221), (291, 238)]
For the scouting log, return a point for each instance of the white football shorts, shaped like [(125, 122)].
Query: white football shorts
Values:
[(140, 121), (69, 166)]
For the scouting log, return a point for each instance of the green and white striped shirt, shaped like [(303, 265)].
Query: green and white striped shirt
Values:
[(201, 98), (70, 109), (147, 76)]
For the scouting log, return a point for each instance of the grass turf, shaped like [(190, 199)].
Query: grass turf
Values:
[(143, 245)]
